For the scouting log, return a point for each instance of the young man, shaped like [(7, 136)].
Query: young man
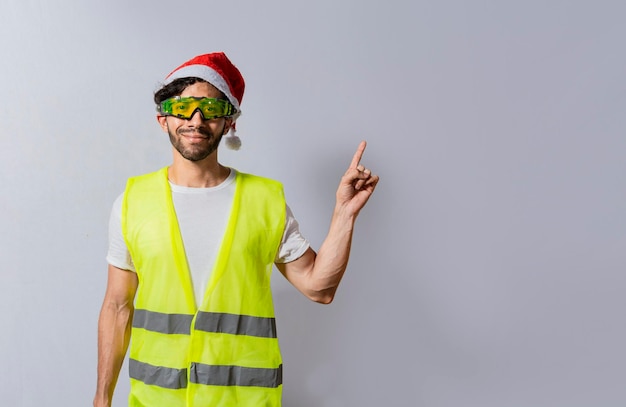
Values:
[(191, 252)]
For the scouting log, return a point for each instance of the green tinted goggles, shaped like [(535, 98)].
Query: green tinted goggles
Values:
[(185, 107)]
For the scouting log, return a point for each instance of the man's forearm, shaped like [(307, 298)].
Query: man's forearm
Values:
[(113, 337), (332, 258)]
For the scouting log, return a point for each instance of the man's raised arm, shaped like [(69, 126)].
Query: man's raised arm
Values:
[(318, 275)]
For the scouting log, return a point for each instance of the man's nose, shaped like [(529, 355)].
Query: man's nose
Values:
[(196, 116)]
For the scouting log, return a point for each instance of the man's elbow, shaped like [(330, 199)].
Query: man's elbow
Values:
[(324, 297)]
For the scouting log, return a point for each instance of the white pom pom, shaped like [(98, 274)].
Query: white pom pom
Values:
[(232, 141)]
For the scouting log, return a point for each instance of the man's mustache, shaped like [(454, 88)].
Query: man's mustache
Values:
[(196, 130)]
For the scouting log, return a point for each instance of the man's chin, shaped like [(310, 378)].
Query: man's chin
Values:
[(195, 154)]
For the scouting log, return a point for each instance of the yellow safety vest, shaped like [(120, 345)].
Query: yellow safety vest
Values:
[(224, 353)]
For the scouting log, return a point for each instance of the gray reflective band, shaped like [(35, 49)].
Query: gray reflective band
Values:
[(236, 324), (163, 323), (157, 375), (235, 376)]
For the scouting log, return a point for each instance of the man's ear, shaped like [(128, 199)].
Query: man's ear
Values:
[(162, 122)]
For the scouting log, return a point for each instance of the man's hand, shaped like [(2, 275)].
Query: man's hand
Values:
[(357, 184)]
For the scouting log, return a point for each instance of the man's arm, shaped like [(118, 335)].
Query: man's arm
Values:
[(114, 331), (318, 275)]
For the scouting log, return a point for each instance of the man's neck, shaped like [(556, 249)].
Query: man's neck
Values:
[(197, 174)]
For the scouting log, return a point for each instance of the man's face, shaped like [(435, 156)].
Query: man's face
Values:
[(195, 138)]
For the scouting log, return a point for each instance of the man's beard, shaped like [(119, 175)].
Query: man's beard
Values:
[(195, 152)]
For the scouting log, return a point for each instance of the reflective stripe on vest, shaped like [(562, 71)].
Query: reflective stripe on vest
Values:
[(236, 324), (163, 323), (226, 352), (205, 374), (205, 321), (235, 376), (157, 375)]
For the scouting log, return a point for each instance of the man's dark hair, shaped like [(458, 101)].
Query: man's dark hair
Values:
[(175, 88)]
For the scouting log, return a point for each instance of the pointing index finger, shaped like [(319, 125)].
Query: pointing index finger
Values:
[(357, 156)]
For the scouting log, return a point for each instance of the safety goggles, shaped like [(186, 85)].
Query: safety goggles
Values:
[(185, 107)]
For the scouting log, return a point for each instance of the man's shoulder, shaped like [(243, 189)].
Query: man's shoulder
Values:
[(247, 177), (149, 175), (259, 180), (253, 181), (144, 183)]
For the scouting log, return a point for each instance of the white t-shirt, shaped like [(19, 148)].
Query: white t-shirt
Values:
[(202, 215)]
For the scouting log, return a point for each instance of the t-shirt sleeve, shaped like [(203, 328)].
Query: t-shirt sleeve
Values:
[(293, 244), (118, 254)]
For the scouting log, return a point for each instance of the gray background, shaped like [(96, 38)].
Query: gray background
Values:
[(488, 269)]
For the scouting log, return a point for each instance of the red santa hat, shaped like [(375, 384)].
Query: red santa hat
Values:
[(216, 69)]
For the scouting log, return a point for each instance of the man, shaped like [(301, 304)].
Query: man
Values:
[(191, 252)]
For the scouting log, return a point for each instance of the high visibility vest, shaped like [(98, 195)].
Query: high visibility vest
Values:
[(225, 352)]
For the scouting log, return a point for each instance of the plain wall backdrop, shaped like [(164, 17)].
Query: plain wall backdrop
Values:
[(487, 270)]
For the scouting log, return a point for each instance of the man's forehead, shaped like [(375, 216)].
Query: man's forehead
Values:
[(202, 89)]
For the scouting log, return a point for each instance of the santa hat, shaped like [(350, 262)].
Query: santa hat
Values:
[(216, 69)]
